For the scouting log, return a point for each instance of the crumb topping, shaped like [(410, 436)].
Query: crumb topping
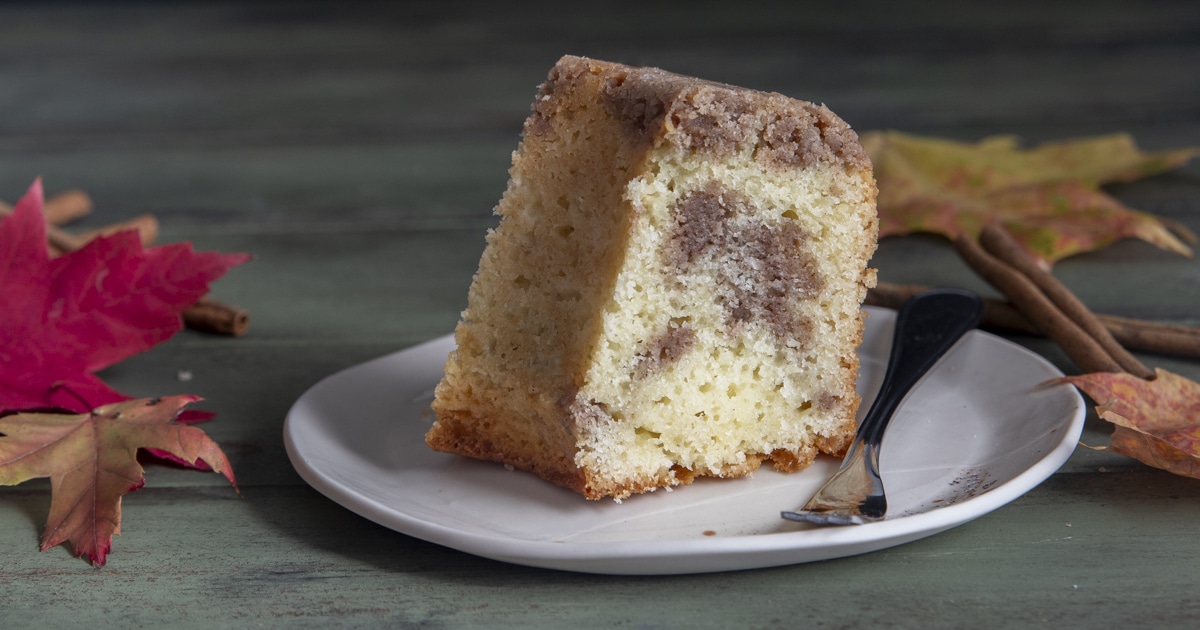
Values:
[(704, 116), (637, 104)]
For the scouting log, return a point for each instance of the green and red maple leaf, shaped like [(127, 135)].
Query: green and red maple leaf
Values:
[(66, 318), (1049, 197), (91, 461), (1156, 422)]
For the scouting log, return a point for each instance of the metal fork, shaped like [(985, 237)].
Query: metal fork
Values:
[(927, 326)]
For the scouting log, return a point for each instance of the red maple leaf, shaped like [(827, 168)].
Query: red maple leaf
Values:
[(66, 318), (91, 460)]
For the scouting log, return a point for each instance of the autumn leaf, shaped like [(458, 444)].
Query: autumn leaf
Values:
[(68, 317), (1157, 421), (1048, 197), (91, 460)]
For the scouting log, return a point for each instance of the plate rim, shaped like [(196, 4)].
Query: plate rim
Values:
[(690, 555)]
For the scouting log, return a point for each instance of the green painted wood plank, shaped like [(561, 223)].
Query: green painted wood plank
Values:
[(280, 188), (119, 73), (1074, 553)]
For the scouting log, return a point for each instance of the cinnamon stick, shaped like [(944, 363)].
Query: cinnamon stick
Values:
[(58, 241), (996, 313), (74, 204), (217, 317), (1156, 337), (61, 208), (1133, 334), (66, 207), (63, 242), (1001, 244), (1039, 309)]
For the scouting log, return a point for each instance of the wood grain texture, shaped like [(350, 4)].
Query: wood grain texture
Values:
[(357, 149)]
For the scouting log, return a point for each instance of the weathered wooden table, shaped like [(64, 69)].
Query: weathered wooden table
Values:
[(357, 150)]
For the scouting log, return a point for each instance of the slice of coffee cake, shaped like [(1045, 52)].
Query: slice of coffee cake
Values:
[(674, 288)]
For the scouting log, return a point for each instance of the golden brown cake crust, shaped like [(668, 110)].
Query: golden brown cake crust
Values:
[(457, 436)]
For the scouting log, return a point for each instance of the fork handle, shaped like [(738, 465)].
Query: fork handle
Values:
[(927, 325)]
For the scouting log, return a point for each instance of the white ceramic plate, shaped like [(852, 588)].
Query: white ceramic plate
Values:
[(975, 434)]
